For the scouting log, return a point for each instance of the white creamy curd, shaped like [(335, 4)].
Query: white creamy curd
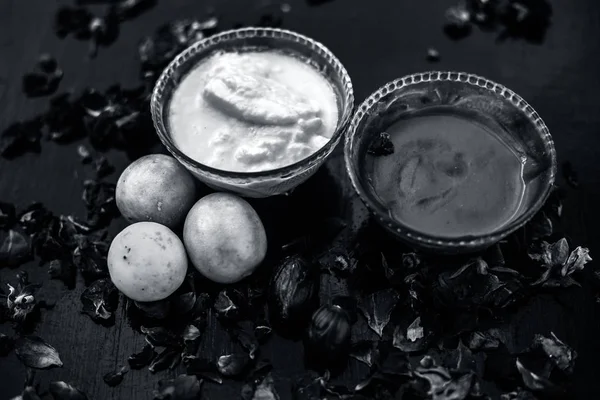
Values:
[(252, 111)]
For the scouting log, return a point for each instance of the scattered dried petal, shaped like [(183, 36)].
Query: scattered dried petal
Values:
[(100, 300), (63, 391), (15, 249), (366, 352), (536, 382), (20, 138), (113, 379), (34, 352), (377, 308), (557, 351), (233, 364), (382, 145), (184, 387), (143, 358), (168, 358)]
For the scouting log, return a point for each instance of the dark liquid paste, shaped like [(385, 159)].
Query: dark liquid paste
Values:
[(449, 176)]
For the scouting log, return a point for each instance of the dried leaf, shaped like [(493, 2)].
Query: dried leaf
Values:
[(113, 379), (184, 387), (366, 352), (63, 391), (442, 385), (143, 358), (557, 351), (244, 335), (15, 249), (411, 339), (536, 382), (168, 358), (160, 336), (482, 341), (21, 301), (377, 308), (576, 261), (233, 364), (100, 300), (203, 368), (34, 352), (382, 145), (265, 390)]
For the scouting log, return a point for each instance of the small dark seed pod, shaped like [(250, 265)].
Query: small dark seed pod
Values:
[(293, 292), (328, 334)]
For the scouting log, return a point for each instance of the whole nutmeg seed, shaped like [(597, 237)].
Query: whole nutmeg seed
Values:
[(329, 333)]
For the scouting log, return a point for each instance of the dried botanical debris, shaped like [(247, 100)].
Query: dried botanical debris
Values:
[(157, 50), (184, 387), (15, 248), (377, 308), (21, 137), (518, 19), (558, 264), (21, 301), (34, 352), (382, 145), (116, 377), (100, 301), (143, 358), (44, 80), (61, 390)]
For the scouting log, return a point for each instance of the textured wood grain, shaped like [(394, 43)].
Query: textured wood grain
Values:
[(377, 41)]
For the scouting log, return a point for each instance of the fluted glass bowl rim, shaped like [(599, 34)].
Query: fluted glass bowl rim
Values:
[(158, 101), (400, 229)]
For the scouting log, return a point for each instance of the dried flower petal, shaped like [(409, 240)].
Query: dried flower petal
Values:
[(557, 351), (34, 352), (160, 336), (233, 364), (536, 382), (366, 352), (20, 138), (377, 308), (100, 300), (203, 368), (143, 358), (63, 391), (576, 261), (15, 249), (184, 387), (168, 358), (113, 379), (411, 339), (382, 145)]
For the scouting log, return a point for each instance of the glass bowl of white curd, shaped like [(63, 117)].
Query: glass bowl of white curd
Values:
[(253, 111)]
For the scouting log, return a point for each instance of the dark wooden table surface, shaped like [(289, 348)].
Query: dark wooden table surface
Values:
[(377, 41)]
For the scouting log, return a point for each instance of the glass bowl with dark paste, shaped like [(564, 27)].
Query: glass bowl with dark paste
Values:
[(449, 162), (253, 111)]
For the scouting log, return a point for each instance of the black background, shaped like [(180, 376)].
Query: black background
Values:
[(377, 41)]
